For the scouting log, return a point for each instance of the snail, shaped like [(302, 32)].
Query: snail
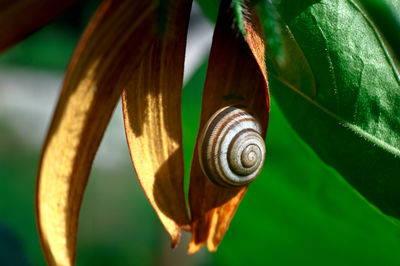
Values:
[(231, 149)]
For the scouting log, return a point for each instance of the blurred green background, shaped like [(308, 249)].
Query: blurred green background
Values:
[(298, 212)]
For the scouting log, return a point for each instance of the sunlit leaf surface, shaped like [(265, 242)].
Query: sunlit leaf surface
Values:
[(340, 89), (152, 115), (90, 92)]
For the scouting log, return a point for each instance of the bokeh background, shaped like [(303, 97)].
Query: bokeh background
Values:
[(298, 212)]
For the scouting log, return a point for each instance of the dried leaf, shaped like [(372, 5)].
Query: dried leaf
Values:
[(19, 18), (236, 75), (152, 116), (109, 51)]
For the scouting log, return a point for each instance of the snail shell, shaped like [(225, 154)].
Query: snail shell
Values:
[(231, 149)]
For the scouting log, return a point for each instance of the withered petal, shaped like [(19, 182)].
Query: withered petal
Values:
[(19, 18), (110, 49), (152, 115), (236, 74)]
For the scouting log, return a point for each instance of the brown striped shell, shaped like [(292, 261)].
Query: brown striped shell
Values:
[(231, 149)]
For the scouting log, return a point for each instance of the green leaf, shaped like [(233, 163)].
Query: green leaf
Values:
[(238, 10), (339, 89), (209, 8), (272, 28), (387, 18)]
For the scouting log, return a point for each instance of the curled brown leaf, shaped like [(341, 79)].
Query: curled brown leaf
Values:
[(152, 115), (110, 49), (236, 74)]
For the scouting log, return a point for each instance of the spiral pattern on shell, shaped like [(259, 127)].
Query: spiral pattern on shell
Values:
[(231, 149)]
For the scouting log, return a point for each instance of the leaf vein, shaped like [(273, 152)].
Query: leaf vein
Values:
[(379, 38), (356, 129)]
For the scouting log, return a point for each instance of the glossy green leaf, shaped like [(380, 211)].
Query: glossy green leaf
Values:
[(340, 90), (387, 17)]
